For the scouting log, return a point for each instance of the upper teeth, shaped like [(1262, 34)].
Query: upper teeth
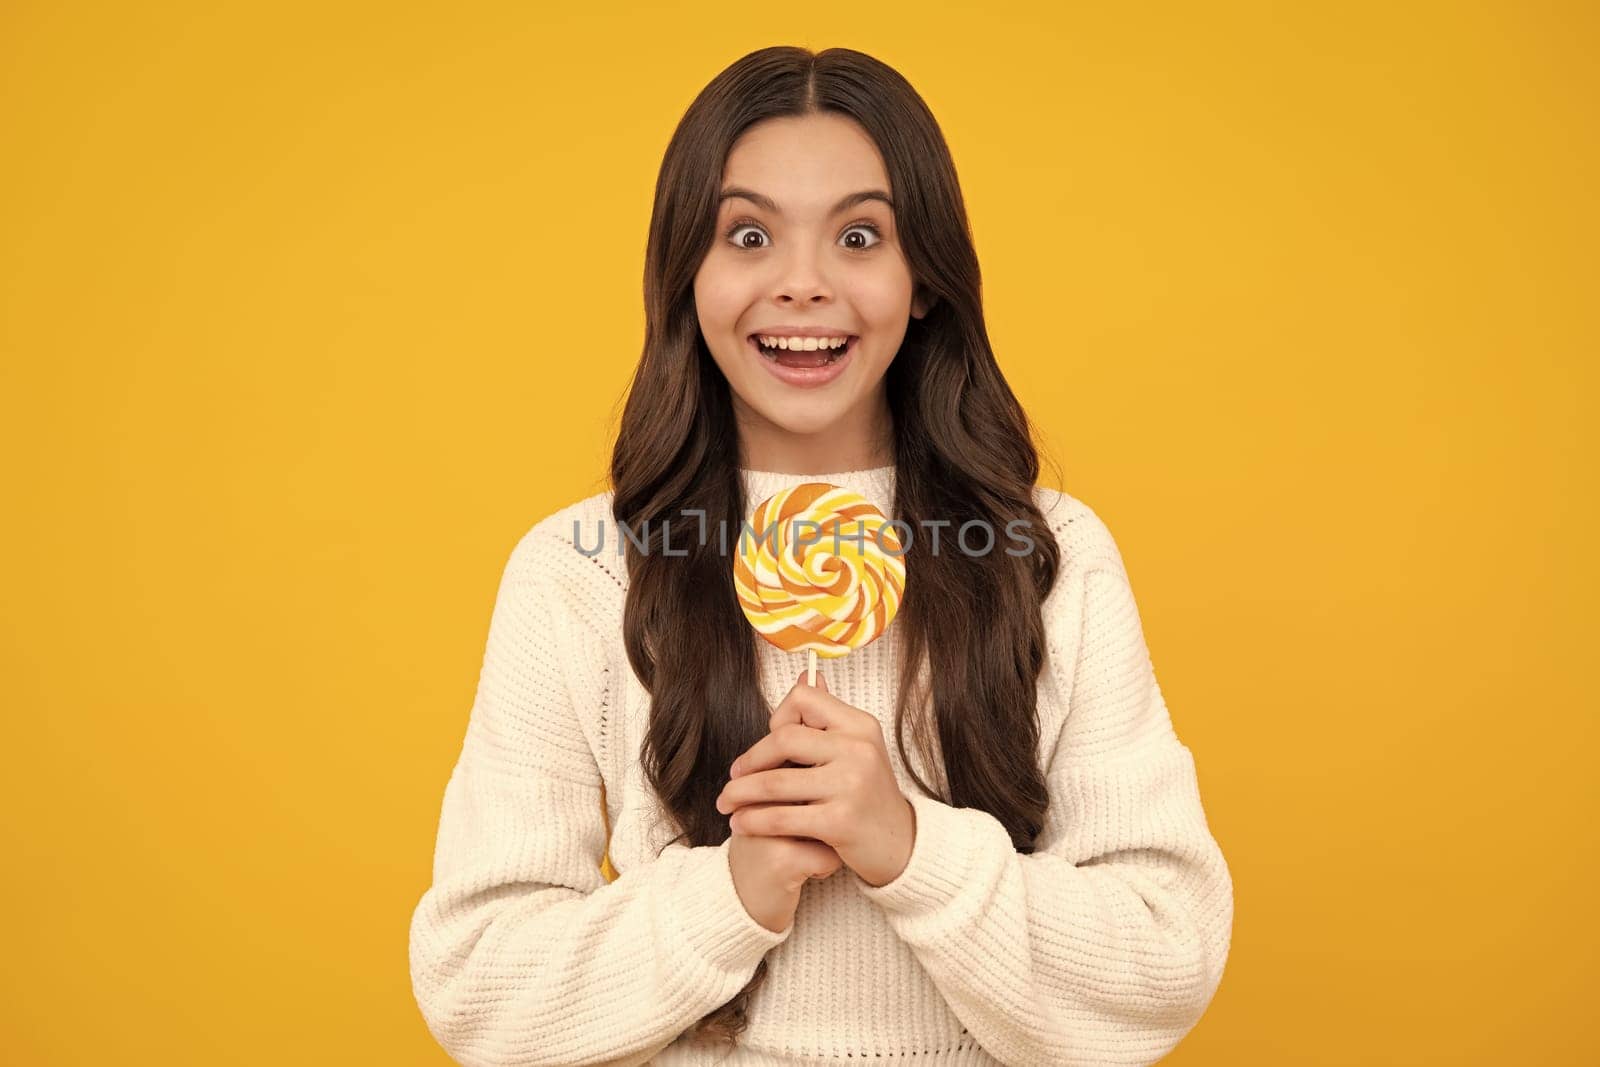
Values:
[(803, 343)]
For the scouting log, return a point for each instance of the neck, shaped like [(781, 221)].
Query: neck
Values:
[(816, 461), (877, 484)]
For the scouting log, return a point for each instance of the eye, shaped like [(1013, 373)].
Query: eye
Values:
[(743, 243), (745, 224), (865, 227)]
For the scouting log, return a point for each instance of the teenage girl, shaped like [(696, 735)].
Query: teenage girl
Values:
[(977, 839)]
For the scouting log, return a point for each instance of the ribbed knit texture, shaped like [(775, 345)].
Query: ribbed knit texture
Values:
[(1103, 946)]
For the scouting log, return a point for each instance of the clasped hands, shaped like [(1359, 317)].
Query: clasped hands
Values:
[(845, 795)]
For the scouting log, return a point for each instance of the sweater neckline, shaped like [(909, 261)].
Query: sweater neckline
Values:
[(874, 483)]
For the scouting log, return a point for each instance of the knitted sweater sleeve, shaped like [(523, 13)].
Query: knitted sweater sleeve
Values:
[(520, 951), (1107, 942)]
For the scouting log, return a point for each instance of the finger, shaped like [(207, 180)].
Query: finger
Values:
[(821, 861), (794, 742), (751, 807), (782, 784), (788, 710), (777, 820), (821, 710)]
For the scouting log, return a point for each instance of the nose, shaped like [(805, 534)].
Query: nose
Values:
[(803, 281)]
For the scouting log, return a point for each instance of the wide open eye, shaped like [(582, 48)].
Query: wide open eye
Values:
[(875, 237), (865, 227), (740, 242)]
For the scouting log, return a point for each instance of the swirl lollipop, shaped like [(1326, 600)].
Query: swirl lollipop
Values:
[(819, 569)]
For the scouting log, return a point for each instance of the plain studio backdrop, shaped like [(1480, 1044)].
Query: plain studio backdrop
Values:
[(308, 311)]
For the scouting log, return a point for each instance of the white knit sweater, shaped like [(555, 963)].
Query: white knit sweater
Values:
[(1103, 946)]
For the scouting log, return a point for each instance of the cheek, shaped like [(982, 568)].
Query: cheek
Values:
[(722, 294), (883, 301), (883, 297), (711, 295), (719, 302)]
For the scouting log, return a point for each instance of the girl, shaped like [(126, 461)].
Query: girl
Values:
[(1032, 882)]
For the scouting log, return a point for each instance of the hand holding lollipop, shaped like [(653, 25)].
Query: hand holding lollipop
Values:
[(825, 594)]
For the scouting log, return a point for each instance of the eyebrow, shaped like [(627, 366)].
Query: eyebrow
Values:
[(769, 204)]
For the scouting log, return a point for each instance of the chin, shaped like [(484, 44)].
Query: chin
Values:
[(804, 423)]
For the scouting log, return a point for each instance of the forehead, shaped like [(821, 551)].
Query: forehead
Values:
[(805, 163)]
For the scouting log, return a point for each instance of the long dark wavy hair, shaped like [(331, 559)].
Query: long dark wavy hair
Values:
[(963, 451)]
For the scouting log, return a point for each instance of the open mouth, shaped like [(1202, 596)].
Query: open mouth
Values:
[(801, 357)]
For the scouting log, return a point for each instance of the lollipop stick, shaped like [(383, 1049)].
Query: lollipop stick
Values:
[(811, 669)]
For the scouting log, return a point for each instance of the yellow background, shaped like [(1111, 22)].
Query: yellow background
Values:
[(309, 311)]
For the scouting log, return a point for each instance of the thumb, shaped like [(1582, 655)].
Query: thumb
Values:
[(822, 682), (787, 711)]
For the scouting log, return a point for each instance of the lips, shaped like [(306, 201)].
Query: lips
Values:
[(799, 374)]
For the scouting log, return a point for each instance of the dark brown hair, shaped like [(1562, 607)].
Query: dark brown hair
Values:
[(963, 451)]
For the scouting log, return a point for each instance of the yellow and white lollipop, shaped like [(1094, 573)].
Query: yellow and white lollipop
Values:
[(819, 569)]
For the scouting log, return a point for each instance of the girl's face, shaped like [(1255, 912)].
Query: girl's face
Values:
[(806, 245)]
